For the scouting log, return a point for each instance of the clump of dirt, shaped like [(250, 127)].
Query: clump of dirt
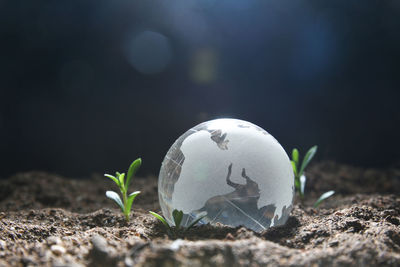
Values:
[(48, 220)]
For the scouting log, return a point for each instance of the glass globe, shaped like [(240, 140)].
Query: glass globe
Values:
[(229, 170)]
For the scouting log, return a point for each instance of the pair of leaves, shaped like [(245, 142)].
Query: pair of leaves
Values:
[(300, 178), (114, 196), (123, 185), (307, 158), (120, 177), (177, 216)]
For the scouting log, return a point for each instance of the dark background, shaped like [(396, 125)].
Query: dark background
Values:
[(88, 86)]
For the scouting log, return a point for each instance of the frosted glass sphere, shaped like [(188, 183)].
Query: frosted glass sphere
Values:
[(232, 171)]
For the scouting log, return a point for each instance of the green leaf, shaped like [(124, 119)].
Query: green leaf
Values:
[(295, 156), (131, 198), (307, 158), (121, 179), (160, 218), (294, 167), (114, 196), (177, 215), (132, 171), (323, 197), (195, 222), (302, 184), (112, 178)]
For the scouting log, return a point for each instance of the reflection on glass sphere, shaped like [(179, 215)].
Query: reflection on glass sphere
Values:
[(231, 170)]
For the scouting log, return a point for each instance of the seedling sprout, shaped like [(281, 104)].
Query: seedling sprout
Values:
[(299, 176), (177, 216), (119, 179)]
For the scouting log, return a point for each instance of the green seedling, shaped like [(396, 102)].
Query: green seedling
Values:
[(177, 216), (299, 176), (119, 179)]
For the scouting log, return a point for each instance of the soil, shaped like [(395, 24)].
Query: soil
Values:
[(49, 220)]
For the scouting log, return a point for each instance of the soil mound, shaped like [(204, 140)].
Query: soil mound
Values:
[(49, 220)]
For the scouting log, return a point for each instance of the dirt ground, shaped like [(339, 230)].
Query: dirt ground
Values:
[(49, 220)]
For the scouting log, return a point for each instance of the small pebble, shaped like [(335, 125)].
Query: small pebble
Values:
[(177, 244), (3, 244), (128, 261), (229, 236), (57, 250), (333, 243), (100, 244), (53, 240)]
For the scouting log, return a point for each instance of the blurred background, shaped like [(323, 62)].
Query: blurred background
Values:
[(88, 86)]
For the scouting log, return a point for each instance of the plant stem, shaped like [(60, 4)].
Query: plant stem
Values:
[(125, 199)]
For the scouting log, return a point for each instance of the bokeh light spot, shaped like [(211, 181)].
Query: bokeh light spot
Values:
[(148, 52), (203, 68)]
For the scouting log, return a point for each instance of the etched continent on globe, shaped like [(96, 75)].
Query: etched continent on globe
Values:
[(231, 170)]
